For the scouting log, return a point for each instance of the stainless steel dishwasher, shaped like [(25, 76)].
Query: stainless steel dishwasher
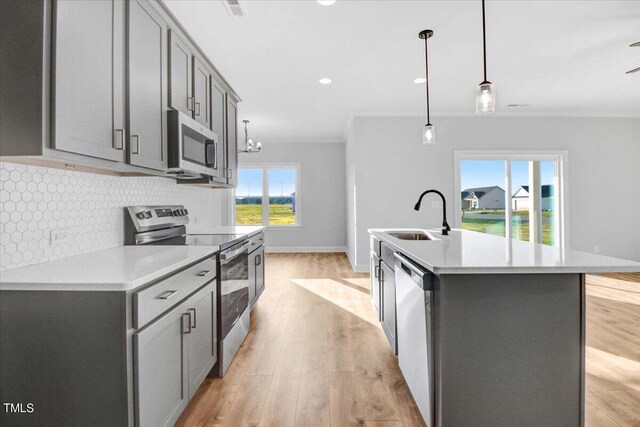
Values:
[(414, 296)]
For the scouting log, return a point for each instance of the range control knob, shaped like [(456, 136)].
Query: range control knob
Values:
[(140, 215), (176, 212), (186, 212), (147, 214)]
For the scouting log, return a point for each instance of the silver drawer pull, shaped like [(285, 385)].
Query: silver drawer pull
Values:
[(204, 273), (193, 310), (167, 294)]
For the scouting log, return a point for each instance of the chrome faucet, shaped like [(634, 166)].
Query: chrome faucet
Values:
[(445, 226)]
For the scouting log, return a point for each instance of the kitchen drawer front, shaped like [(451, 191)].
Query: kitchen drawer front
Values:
[(150, 302), (256, 241), (374, 245), (386, 254)]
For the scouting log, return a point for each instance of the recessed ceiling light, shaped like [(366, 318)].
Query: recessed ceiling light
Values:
[(324, 81), (419, 80), (326, 2)]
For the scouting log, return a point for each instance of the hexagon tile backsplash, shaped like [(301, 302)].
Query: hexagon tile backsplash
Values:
[(34, 201)]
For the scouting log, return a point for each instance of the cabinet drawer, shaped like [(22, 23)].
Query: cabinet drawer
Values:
[(256, 241), (374, 245), (150, 302), (386, 254)]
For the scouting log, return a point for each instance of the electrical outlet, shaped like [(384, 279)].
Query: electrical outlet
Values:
[(436, 204), (59, 236), (596, 249)]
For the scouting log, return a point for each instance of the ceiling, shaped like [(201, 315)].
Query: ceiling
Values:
[(561, 58)]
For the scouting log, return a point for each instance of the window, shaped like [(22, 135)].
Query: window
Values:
[(517, 195), (268, 195)]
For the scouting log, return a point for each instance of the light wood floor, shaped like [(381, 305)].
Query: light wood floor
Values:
[(316, 355)]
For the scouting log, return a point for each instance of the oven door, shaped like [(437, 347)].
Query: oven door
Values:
[(194, 147), (234, 285)]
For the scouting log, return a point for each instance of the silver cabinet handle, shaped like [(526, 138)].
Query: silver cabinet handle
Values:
[(167, 294), (188, 331), (118, 143), (204, 273), (193, 325), (197, 108), (376, 272), (190, 101), (135, 149), (215, 155), (258, 260)]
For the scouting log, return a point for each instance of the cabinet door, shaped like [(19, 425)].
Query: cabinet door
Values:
[(218, 108), (201, 93), (232, 142), (375, 283), (260, 271), (202, 340), (88, 92), (162, 381), (388, 282), (252, 277), (147, 86), (180, 73)]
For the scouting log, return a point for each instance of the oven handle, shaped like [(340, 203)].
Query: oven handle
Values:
[(228, 256)]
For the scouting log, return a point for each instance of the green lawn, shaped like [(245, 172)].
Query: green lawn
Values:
[(497, 226), (252, 215)]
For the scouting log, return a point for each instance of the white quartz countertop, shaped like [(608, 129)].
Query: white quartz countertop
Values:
[(247, 230), (469, 252), (121, 268)]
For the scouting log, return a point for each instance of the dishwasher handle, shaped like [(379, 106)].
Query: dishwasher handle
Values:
[(421, 276)]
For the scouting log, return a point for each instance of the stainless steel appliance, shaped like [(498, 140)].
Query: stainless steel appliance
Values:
[(193, 148), (414, 295), (165, 225)]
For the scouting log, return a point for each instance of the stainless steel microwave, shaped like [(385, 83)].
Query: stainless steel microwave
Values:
[(193, 148)]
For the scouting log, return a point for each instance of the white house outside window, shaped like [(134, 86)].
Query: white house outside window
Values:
[(268, 195)]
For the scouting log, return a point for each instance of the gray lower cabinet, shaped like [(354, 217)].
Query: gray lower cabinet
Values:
[(388, 312), (260, 271), (172, 357), (256, 275), (375, 282), (147, 86), (232, 142), (89, 83)]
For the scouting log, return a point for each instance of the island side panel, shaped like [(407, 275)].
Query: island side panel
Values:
[(509, 350), (65, 353)]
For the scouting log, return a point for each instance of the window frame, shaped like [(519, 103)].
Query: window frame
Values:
[(265, 167), (561, 183)]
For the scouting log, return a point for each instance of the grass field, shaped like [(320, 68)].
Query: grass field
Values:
[(520, 227), (252, 215)]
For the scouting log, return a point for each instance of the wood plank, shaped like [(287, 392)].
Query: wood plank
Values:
[(313, 397), (249, 402), (345, 402)]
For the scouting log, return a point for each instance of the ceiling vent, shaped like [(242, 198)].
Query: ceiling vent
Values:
[(235, 8)]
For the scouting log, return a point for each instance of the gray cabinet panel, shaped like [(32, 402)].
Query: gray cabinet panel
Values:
[(375, 282), (253, 261), (232, 142), (202, 340), (388, 315), (88, 104), (218, 109), (202, 93), (260, 271), (181, 97), (147, 86), (161, 370)]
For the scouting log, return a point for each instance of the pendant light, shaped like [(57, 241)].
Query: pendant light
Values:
[(486, 93), (428, 132), (249, 147)]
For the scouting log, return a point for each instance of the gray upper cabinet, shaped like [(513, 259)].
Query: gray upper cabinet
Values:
[(147, 86), (232, 142), (202, 340), (180, 74), (201, 93), (218, 125), (89, 83)]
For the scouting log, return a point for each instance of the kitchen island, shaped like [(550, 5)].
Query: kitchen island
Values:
[(502, 342)]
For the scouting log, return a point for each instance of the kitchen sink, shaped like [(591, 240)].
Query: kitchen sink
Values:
[(409, 235)]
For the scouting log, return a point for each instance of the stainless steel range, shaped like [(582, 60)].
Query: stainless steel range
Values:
[(166, 225)]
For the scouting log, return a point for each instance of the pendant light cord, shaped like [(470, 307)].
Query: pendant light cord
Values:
[(484, 44), (426, 66)]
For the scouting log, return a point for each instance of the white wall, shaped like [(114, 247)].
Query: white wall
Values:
[(36, 200), (393, 168), (322, 195)]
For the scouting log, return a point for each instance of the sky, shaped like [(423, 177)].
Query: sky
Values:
[(485, 173), (282, 182)]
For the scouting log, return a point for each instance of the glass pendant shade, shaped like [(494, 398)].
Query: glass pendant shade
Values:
[(486, 98), (428, 134)]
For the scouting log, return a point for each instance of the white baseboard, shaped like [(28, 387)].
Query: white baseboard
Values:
[(289, 249), (362, 268)]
